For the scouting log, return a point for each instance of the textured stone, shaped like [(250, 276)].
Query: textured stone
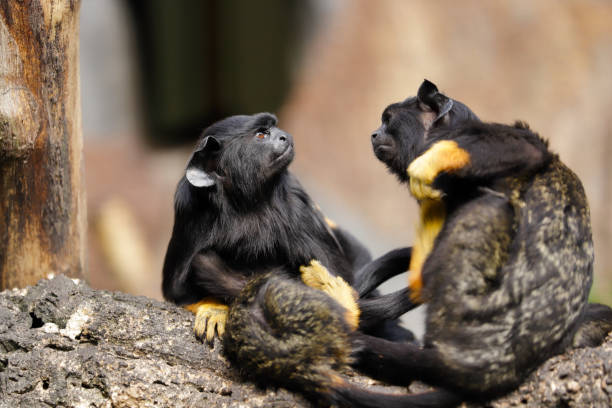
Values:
[(65, 344)]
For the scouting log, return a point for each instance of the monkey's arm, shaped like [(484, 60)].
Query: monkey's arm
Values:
[(177, 265), (356, 253), (482, 152), (375, 309), (201, 283)]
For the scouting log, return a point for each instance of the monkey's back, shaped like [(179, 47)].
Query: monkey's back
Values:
[(514, 279)]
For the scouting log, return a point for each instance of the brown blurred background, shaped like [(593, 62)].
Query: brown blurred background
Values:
[(155, 73)]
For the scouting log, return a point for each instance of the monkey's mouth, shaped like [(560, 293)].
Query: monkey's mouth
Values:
[(285, 157), (382, 150)]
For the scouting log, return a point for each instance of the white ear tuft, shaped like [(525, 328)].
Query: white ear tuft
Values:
[(199, 178)]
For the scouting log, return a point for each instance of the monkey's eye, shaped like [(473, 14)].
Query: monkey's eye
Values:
[(262, 133)]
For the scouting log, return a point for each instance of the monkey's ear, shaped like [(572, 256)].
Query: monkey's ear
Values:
[(200, 169), (429, 96)]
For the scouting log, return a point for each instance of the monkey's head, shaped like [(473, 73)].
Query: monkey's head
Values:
[(406, 126), (240, 154)]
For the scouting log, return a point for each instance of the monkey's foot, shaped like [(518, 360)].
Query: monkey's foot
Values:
[(211, 316), (318, 277)]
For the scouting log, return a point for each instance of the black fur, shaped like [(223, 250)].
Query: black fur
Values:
[(508, 278), (239, 213), (254, 217)]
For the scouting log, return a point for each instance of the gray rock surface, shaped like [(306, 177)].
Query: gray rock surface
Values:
[(65, 344)]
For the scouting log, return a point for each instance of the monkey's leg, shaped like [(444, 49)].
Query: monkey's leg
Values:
[(461, 283), (318, 277), (211, 316)]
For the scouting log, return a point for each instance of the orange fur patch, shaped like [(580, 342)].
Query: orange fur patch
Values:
[(318, 277), (211, 317), (206, 302), (432, 216), (445, 155)]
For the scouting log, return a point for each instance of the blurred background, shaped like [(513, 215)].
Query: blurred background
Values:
[(155, 73)]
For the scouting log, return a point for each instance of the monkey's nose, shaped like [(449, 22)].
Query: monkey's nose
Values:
[(374, 135), (283, 138)]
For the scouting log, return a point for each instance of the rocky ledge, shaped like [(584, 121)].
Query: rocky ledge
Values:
[(65, 344)]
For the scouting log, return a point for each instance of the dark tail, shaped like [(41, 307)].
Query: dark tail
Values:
[(381, 269), (345, 394), (380, 308), (595, 326)]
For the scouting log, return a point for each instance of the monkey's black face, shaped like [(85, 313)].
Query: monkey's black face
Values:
[(241, 153), (406, 126), (398, 138)]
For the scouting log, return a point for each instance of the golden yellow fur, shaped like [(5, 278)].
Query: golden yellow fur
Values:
[(432, 215), (318, 277), (446, 156), (211, 316)]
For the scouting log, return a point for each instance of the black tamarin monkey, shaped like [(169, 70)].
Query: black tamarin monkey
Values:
[(240, 213), (503, 256)]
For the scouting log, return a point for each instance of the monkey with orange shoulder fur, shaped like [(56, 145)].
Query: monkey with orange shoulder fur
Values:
[(504, 291), (503, 256)]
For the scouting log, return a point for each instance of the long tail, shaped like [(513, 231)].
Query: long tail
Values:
[(381, 269), (345, 394)]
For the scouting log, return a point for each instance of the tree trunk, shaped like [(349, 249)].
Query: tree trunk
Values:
[(42, 200)]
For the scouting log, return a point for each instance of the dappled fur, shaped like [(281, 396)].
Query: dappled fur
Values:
[(509, 274)]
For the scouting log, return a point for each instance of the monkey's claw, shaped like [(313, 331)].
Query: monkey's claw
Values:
[(210, 319), (318, 277), (421, 190)]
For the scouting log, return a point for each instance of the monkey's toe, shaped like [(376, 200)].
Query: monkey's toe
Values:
[(210, 319)]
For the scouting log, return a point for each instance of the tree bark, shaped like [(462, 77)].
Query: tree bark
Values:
[(42, 200)]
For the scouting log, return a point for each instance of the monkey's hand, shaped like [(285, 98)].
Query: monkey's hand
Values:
[(443, 156), (318, 277), (211, 316), (423, 191)]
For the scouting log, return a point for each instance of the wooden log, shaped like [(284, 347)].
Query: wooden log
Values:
[(42, 200)]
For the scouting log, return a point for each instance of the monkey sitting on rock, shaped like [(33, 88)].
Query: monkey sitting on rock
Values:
[(240, 213), (503, 257)]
